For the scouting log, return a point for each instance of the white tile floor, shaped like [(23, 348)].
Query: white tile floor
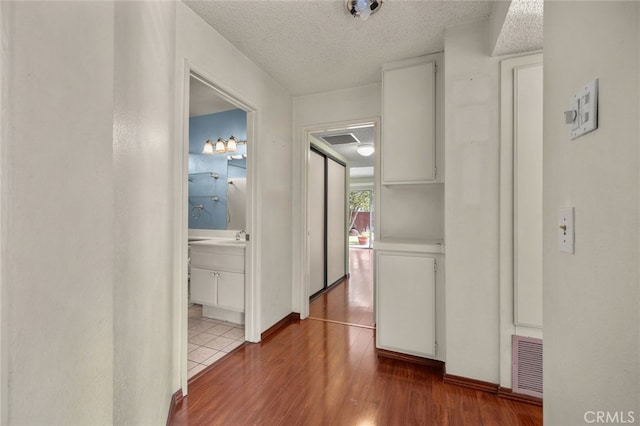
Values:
[(209, 340)]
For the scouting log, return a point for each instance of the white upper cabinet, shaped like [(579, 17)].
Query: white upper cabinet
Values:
[(409, 123)]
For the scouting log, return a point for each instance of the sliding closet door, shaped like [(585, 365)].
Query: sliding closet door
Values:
[(336, 218), (316, 221)]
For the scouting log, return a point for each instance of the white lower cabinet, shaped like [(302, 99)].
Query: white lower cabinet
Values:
[(406, 303), (203, 287), (217, 288), (231, 291)]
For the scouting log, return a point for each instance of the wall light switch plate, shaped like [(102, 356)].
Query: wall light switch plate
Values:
[(565, 229), (585, 103)]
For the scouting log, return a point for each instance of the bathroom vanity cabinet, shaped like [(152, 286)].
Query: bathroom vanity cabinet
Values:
[(218, 279), (218, 288)]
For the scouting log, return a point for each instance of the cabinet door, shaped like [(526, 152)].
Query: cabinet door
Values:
[(231, 291), (203, 286), (408, 124), (406, 315)]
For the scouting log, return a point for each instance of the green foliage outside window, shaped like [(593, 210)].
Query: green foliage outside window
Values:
[(358, 202)]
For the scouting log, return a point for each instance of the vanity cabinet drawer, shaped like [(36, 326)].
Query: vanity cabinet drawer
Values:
[(216, 261)]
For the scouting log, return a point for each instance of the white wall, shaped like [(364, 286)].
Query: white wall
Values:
[(341, 106), (145, 375), (57, 212), (354, 104), (207, 50), (90, 299), (591, 347), (472, 203)]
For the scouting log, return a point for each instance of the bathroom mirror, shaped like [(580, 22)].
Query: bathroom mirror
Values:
[(218, 200)]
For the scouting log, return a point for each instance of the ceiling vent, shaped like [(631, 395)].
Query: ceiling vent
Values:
[(343, 139)]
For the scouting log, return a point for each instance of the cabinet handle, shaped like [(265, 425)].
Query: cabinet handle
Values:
[(215, 274)]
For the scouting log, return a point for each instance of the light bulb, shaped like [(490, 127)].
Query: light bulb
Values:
[(365, 150), (208, 148), (363, 7), (220, 148), (231, 144)]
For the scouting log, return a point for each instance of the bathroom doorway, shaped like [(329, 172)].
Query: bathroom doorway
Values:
[(218, 207)]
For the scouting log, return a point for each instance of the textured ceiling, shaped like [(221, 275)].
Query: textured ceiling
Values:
[(348, 151), (316, 46), (522, 29)]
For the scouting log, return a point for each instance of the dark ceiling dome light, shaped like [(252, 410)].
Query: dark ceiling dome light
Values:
[(363, 8)]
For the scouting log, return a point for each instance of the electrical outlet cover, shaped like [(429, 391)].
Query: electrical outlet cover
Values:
[(565, 230)]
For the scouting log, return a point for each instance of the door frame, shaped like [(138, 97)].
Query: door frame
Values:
[(252, 250), (301, 278), (507, 178)]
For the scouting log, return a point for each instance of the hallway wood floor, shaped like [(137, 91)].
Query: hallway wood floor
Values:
[(351, 301), (325, 372)]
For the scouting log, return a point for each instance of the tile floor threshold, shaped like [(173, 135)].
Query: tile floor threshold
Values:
[(209, 340)]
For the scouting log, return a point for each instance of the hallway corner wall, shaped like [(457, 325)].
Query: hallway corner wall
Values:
[(472, 190), (591, 297), (57, 212), (145, 375)]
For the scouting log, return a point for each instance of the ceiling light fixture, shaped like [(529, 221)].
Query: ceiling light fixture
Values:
[(363, 8), (222, 147), (365, 150)]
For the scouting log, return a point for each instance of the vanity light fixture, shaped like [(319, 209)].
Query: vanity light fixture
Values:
[(208, 148), (365, 149), (222, 147), (363, 8)]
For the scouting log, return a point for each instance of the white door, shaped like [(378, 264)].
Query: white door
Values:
[(316, 221), (336, 221), (527, 197)]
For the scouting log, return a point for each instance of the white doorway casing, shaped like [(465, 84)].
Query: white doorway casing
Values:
[(252, 287), (316, 222), (510, 242), (302, 274)]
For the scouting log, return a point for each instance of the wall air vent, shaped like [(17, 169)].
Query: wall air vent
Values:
[(526, 373), (341, 139)]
